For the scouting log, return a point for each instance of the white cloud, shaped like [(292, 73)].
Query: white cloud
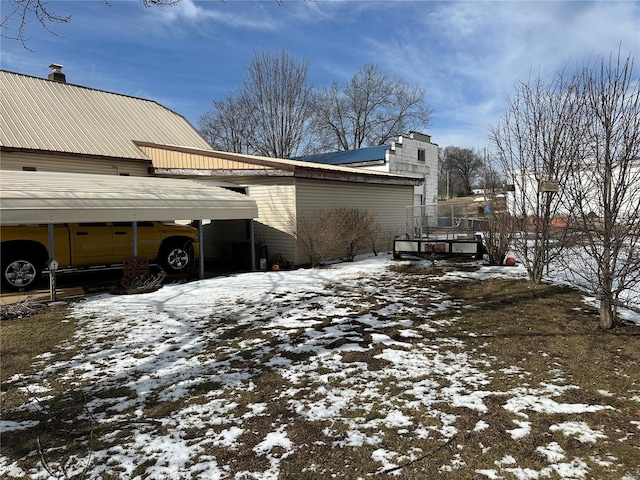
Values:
[(468, 55), (220, 13)]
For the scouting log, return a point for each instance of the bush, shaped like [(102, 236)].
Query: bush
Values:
[(498, 234), (326, 234)]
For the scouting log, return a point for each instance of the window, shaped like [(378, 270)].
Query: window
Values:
[(421, 157)]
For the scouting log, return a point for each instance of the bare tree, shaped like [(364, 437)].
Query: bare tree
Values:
[(498, 232), (227, 126), (605, 185), (462, 168), (370, 109), (269, 115), (493, 180), (537, 141), (278, 100)]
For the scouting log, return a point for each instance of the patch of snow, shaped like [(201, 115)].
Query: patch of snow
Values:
[(491, 474), (553, 452), (524, 428), (548, 405), (605, 393), (578, 430), (480, 425), (363, 365), (275, 439), (11, 426)]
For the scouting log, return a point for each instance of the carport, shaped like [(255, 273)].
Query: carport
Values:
[(54, 198)]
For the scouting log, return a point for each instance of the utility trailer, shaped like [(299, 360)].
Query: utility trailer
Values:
[(430, 248), (435, 230)]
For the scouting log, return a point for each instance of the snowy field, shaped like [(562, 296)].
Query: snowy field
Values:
[(351, 359)]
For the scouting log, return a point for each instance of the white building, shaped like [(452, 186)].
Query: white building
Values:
[(413, 155)]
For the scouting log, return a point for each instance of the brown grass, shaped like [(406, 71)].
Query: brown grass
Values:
[(539, 330)]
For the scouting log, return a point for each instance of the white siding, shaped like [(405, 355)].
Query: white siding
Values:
[(280, 198), (388, 202), (275, 197)]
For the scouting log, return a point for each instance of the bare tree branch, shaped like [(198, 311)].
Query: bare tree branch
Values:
[(604, 187), (368, 110), (463, 167), (279, 97), (582, 133), (537, 141), (20, 13)]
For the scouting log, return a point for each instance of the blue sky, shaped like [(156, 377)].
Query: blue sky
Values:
[(466, 55)]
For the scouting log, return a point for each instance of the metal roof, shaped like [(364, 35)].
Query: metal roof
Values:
[(52, 197), (39, 114), (167, 160), (370, 154)]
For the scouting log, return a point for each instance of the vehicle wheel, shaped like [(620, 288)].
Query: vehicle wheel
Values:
[(176, 258), (20, 273)]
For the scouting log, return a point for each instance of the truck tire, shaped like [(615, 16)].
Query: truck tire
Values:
[(176, 257), (20, 272)]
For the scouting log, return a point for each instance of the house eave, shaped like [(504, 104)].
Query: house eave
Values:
[(196, 172), (56, 153), (280, 167)]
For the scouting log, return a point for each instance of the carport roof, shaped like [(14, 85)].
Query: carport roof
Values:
[(52, 197)]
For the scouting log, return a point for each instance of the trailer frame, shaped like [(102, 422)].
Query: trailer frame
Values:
[(430, 247)]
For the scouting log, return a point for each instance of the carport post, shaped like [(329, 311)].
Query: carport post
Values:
[(134, 230), (200, 249), (53, 265), (253, 245)]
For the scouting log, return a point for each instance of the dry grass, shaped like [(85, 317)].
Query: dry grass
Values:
[(517, 328), (23, 339)]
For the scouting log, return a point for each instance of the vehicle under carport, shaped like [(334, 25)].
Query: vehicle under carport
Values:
[(54, 198)]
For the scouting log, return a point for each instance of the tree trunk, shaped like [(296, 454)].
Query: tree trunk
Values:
[(606, 314)]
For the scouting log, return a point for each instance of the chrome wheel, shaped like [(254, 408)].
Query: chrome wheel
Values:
[(20, 274), (177, 258)]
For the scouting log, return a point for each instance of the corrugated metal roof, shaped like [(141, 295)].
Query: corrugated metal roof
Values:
[(45, 115), (344, 157), (52, 197)]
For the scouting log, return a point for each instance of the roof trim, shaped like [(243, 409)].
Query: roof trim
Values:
[(53, 197), (297, 167), (56, 153)]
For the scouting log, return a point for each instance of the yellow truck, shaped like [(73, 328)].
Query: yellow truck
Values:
[(24, 249)]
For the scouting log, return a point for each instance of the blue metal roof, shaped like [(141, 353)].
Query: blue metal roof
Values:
[(348, 156)]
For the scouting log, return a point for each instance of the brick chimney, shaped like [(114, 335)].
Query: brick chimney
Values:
[(56, 74)]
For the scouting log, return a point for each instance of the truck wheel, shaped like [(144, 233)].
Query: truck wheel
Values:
[(177, 257), (19, 273)]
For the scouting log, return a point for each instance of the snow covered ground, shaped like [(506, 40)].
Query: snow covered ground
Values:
[(220, 339)]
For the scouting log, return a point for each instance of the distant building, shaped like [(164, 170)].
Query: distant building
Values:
[(413, 155)]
